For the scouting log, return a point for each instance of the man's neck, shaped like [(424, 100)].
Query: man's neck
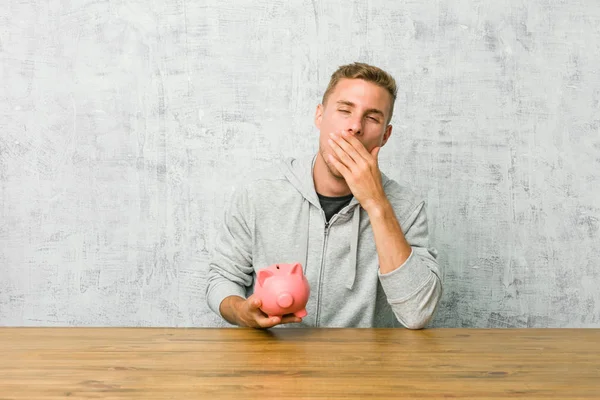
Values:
[(326, 183)]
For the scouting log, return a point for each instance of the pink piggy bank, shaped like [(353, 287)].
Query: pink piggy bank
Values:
[(282, 289)]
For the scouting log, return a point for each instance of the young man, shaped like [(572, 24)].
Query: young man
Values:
[(362, 239)]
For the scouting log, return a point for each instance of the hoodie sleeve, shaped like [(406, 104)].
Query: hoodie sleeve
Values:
[(414, 289), (230, 269)]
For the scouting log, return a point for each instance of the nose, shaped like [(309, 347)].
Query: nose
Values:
[(354, 126)]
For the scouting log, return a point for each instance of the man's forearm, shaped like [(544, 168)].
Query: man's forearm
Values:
[(392, 248), (228, 309)]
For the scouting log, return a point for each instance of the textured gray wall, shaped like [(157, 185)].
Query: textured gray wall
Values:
[(124, 126)]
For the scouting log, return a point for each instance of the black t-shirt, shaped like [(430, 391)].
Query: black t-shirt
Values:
[(332, 205)]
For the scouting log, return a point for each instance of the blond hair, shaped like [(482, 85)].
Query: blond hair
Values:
[(367, 73)]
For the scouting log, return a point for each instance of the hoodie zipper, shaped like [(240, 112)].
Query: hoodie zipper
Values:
[(326, 235)]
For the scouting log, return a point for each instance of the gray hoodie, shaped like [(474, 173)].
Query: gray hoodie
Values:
[(277, 218)]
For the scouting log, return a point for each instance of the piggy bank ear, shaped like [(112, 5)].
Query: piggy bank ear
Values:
[(263, 274), (296, 269)]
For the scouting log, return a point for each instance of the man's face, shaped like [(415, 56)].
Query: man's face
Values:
[(356, 106)]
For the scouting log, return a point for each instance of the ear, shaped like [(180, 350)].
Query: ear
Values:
[(296, 269), (386, 135), (319, 116), (263, 274)]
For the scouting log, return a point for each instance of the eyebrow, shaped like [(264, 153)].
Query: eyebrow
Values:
[(369, 111)]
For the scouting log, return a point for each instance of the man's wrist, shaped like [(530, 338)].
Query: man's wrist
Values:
[(378, 208), (229, 309)]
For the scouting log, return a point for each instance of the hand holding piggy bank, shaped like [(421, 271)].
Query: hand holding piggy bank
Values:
[(282, 289)]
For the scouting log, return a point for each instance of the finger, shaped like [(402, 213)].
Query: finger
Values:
[(254, 303), (341, 155), (265, 322), (346, 151), (339, 166), (357, 145)]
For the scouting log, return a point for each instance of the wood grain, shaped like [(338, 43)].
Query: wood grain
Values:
[(149, 363)]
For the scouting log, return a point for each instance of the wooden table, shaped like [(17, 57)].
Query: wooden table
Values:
[(143, 363)]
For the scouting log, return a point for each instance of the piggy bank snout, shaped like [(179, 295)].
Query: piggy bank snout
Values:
[(282, 289), (285, 300)]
